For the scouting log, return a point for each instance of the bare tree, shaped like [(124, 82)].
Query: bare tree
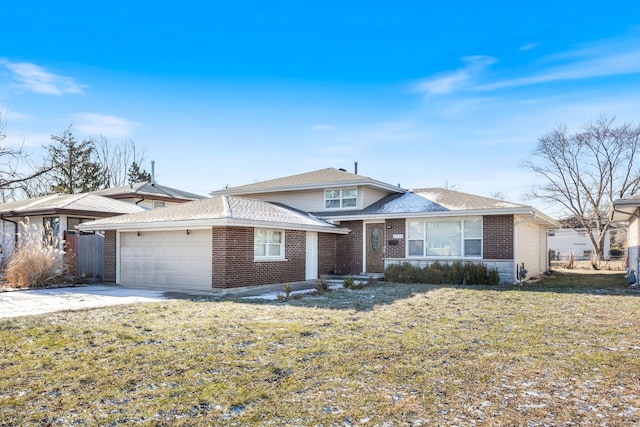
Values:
[(583, 172), (15, 170), (117, 159)]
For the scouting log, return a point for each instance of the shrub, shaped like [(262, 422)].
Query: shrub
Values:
[(438, 273), (322, 286), (37, 261), (350, 283)]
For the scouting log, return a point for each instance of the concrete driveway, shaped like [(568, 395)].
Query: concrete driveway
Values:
[(39, 301)]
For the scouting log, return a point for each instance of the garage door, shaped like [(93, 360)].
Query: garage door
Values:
[(171, 260)]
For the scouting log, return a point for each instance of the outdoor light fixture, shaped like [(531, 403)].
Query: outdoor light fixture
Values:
[(138, 233), (187, 232)]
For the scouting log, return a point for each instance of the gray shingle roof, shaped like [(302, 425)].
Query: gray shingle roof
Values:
[(316, 179), (426, 200), (456, 200), (146, 188), (216, 210), (85, 202)]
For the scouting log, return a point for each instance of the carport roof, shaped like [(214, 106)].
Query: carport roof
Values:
[(216, 211), (625, 208), (85, 203)]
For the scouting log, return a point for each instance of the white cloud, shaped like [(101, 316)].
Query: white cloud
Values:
[(602, 59), (322, 128), (530, 46), (36, 79), (103, 124), (455, 80)]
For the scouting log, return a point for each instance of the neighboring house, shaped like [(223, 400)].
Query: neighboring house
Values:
[(565, 243), (148, 195), (63, 212), (627, 210), (60, 212), (327, 221)]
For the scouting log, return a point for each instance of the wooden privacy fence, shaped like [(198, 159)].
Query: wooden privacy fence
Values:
[(85, 254)]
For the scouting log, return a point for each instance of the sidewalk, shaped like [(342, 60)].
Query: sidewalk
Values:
[(39, 301)]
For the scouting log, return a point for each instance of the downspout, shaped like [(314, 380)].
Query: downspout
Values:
[(515, 244), (140, 201)]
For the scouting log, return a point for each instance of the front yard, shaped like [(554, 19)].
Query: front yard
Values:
[(563, 351)]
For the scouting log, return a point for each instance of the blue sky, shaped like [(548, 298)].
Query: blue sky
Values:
[(229, 93)]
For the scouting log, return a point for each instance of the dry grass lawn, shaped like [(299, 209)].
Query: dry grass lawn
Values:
[(564, 351)]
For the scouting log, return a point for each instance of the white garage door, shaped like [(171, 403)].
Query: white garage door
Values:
[(172, 260)]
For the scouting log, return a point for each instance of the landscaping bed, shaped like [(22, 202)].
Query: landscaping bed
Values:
[(562, 351)]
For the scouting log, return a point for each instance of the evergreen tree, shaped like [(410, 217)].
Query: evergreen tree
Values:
[(75, 169), (136, 175)]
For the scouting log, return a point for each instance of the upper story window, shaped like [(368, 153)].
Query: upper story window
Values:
[(158, 204), (445, 239), (341, 198)]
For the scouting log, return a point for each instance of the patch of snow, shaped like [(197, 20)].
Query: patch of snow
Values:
[(273, 295), (411, 202)]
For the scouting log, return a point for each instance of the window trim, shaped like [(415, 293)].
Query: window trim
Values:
[(266, 257), (341, 198), (463, 239)]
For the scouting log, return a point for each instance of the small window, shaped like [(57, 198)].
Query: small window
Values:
[(158, 204), (268, 244), (341, 198)]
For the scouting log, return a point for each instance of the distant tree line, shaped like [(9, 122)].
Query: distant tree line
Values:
[(71, 166)]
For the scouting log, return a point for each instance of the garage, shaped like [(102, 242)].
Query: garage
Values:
[(179, 260)]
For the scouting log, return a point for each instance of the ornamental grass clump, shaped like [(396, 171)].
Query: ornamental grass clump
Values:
[(37, 261)]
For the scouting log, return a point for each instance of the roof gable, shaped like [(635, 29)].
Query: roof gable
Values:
[(149, 190), (329, 177)]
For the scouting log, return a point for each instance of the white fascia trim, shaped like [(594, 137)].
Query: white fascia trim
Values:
[(445, 214), (321, 185), (205, 224)]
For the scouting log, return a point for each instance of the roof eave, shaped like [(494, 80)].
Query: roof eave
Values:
[(448, 214), (206, 223), (623, 212), (321, 185)]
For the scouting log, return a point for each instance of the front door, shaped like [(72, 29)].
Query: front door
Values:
[(375, 248)]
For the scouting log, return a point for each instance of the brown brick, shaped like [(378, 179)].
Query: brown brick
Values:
[(397, 227), (109, 256), (349, 249), (497, 237)]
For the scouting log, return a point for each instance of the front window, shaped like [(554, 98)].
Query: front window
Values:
[(445, 239), (268, 244), (340, 198)]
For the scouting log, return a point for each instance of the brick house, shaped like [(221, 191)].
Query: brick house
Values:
[(330, 221)]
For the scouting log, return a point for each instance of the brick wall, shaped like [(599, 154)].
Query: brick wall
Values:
[(497, 236), (233, 264), (397, 226), (109, 256), (349, 249), (326, 253)]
